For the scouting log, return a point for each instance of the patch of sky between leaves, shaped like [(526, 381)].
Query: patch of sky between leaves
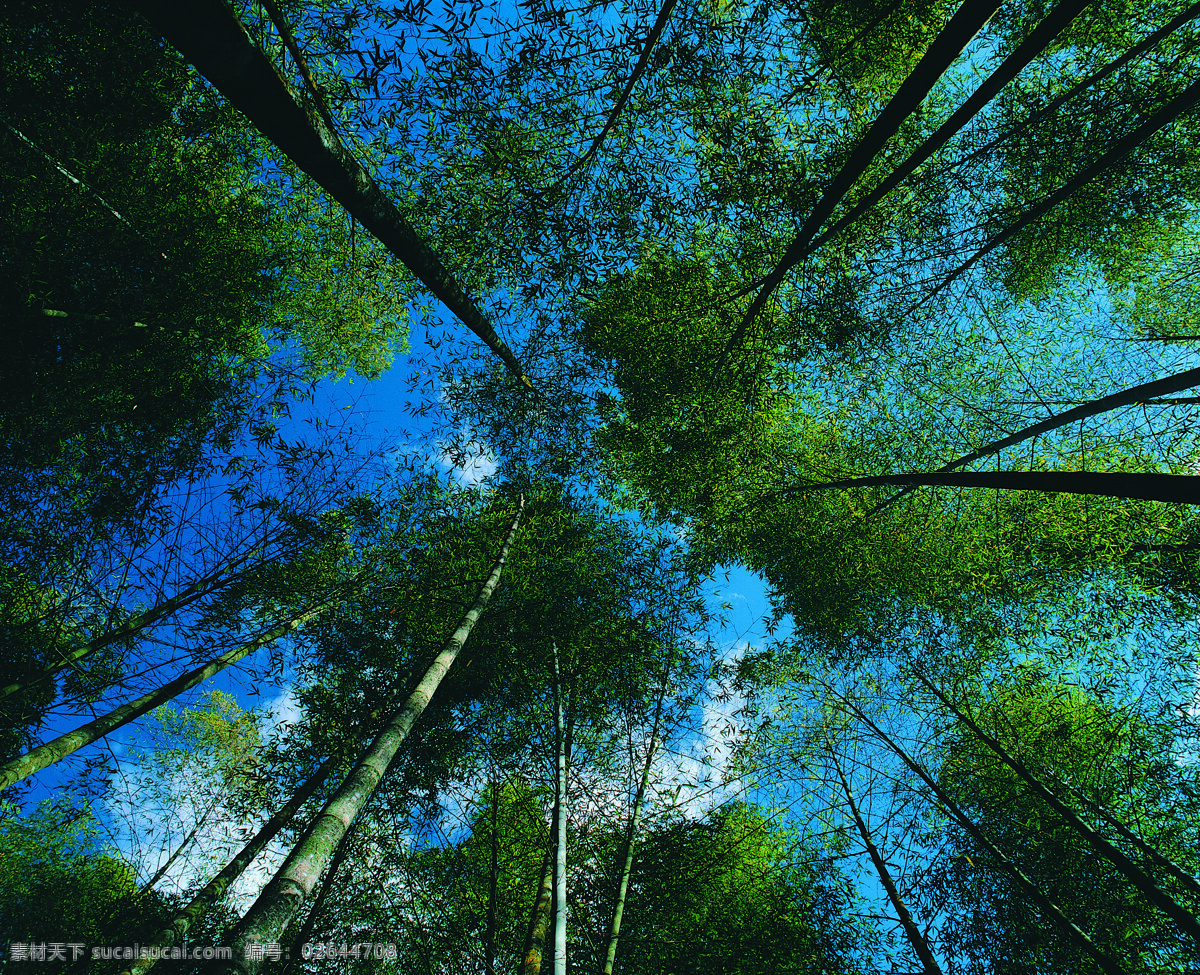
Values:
[(146, 838)]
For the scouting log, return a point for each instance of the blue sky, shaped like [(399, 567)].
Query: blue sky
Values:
[(380, 412)]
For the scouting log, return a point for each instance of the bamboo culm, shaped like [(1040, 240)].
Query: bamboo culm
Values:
[(1107, 963), (53, 751), (539, 919), (210, 36), (560, 839), (215, 889), (614, 931), (919, 945), (1136, 876), (278, 903), (212, 582)]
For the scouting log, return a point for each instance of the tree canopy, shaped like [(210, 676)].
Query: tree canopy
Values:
[(890, 307)]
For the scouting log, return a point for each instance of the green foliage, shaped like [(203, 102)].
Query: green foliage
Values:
[(669, 436), (486, 194), (729, 458), (149, 265), (1138, 205), (161, 305), (727, 895), (958, 553), (876, 44), (60, 883), (157, 261), (459, 876), (341, 298), (217, 741), (1119, 762), (1160, 298)]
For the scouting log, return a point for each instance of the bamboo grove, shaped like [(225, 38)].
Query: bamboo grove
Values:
[(892, 305)]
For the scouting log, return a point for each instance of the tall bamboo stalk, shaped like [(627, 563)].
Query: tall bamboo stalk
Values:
[(917, 940), (53, 751), (269, 916), (539, 919), (489, 939), (614, 930), (1107, 963), (215, 889), (211, 37), (560, 840), (201, 587), (1136, 876)]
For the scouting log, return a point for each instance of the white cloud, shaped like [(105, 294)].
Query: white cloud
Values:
[(467, 459), (154, 805), (284, 709), (477, 465), (151, 815), (693, 776)]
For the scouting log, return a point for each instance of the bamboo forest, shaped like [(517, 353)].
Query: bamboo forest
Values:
[(662, 487)]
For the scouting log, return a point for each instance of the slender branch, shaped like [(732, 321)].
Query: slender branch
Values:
[(289, 41), (201, 587), (161, 871), (1142, 393), (664, 16), (52, 751), (76, 180)]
